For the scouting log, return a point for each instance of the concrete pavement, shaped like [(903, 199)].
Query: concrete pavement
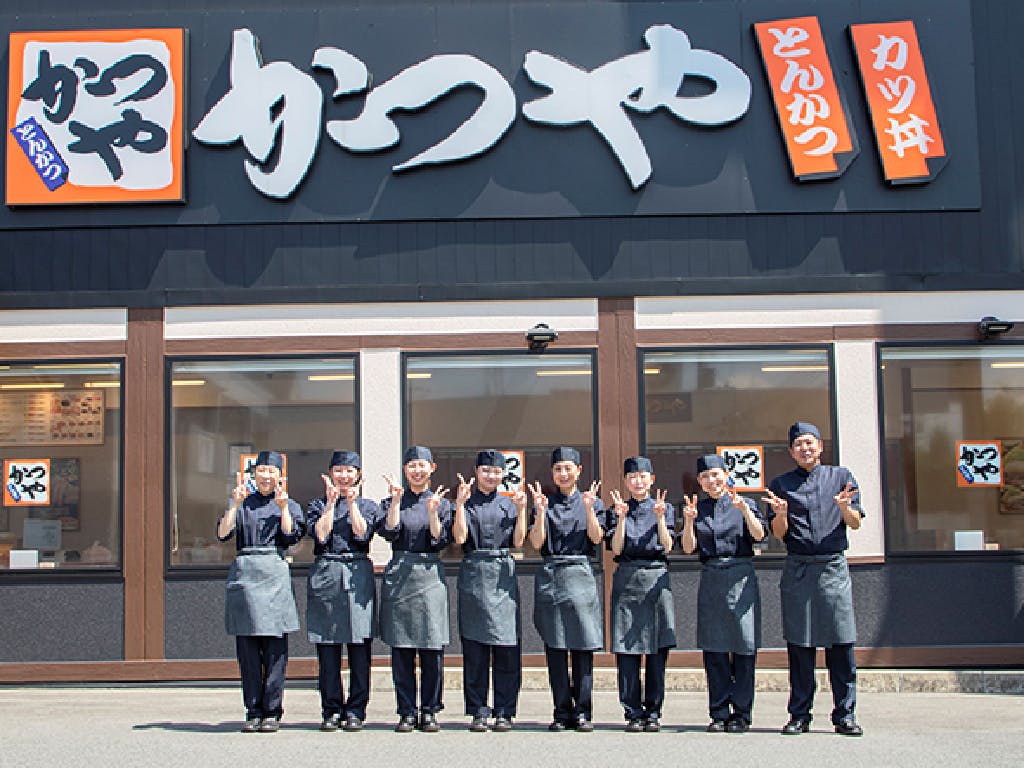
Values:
[(87, 726)]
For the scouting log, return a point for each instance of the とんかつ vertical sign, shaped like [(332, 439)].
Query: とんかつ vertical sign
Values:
[(96, 116)]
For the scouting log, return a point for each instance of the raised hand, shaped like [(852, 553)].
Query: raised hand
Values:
[(519, 499), (351, 494), (434, 502), (845, 497), (659, 504), (621, 507), (394, 490), (781, 506), (590, 495), (281, 494), (540, 501), (330, 492), (689, 507), (735, 498), (465, 489), (240, 491)]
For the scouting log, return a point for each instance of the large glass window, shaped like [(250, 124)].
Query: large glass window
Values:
[(60, 449), (953, 432), (224, 410), (523, 404), (696, 401)]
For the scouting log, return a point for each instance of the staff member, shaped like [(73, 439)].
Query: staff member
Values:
[(640, 534), (724, 527), (487, 524), (414, 596), (341, 594), (566, 607), (259, 609), (811, 509)]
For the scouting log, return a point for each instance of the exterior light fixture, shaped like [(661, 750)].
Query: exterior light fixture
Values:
[(989, 327), (540, 336)]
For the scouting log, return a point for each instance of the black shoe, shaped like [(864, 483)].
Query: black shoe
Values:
[(251, 725), (652, 724), (635, 725), (428, 723), (583, 725), (331, 722), (479, 724), (406, 724), (502, 724), (557, 726), (716, 726), (796, 725), (270, 725), (353, 723), (737, 724), (848, 727)]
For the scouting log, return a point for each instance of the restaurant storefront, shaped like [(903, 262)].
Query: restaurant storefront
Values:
[(335, 228)]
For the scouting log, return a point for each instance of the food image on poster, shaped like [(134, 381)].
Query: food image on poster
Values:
[(73, 417)]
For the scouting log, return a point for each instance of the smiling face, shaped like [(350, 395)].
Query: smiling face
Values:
[(806, 451), (489, 478), (266, 477), (417, 474), (639, 484), (565, 474), (343, 476), (713, 482)]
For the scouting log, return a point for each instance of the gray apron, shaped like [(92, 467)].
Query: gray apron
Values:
[(414, 602), (489, 597), (817, 601), (566, 608), (259, 599), (340, 599), (729, 606), (643, 616)]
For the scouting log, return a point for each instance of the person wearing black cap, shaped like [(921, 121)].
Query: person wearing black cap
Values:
[(259, 609), (810, 509), (414, 596), (487, 524), (566, 528), (640, 534), (341, 594), (724, 526)]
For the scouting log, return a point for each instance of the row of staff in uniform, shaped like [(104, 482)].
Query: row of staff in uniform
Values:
[(809, 509)]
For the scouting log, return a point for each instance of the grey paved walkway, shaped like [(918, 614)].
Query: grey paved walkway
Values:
[(198, 727)]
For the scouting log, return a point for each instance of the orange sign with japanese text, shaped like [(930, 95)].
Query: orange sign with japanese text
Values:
[(26, 483), (812, 115), (899, 98), (96, 116)]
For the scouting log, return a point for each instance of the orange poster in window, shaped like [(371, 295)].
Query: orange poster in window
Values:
[(812, 116), (26, 483), (96, 116), (899, 98)]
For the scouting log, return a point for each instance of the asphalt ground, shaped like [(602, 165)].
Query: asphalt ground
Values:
[(197, 727)]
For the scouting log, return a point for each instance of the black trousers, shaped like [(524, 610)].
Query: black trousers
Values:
[(628, 666), (842, 677), (262, 661), (477, 660), (573, 696), (332, 691), (730, 684), (403, 673)]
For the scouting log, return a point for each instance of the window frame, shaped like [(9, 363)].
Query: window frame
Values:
[(187, 571), (677, 556), (889, 514), (78, 573)]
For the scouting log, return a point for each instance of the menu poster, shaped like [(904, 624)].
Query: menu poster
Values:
[(73, 417)]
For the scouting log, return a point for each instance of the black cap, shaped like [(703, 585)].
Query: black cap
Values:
[(803, 428), (417, 453), (345, 459), (637, 464), (490, 458), (710, 461), (270, 459), (566, 454)]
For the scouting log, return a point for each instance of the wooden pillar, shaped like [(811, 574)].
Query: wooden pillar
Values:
[(143, 482)]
